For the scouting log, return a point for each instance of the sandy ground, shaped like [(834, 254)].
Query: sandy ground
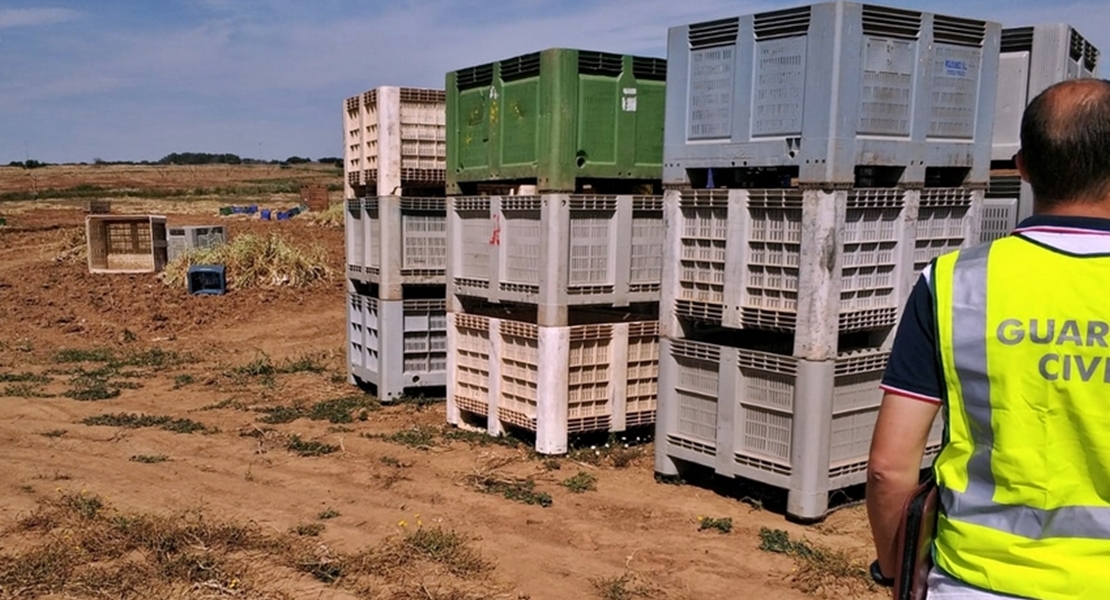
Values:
[(631, 525)]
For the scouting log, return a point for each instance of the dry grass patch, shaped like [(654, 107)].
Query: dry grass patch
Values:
[(75, 545), (256, 261), (819, 570)]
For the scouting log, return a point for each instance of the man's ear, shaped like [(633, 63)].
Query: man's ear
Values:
[(1019, 160)]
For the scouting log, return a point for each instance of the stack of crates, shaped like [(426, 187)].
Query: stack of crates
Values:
[(816, 160), (396, 239), (555, 232), (1033, 58)]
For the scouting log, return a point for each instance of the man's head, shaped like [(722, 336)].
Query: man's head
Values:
[(1065, 144)]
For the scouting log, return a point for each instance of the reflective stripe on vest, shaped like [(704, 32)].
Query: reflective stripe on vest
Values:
[(1024, 473)]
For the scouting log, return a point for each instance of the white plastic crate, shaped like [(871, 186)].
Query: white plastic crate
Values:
[(830, 87), (554, 381), (739, 258), (1003, 205), (400, 241), (556, 250), (740, 412), (396, 345), (947, 219), (393, 137)]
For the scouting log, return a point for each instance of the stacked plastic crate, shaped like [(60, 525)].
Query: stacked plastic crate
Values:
[(816, 159), (396, 230), (1033, 58), (555, 241)]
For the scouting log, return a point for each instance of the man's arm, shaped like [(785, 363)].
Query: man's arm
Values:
[(914, 388), (897, 447)]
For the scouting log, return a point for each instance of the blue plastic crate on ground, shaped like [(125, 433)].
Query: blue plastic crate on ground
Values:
[(207, 280)]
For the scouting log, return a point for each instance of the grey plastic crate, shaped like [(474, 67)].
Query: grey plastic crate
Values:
[(554, 381), (770, 259), (397, 345), (353, 224), (1003, 203), (180, 240), (830, 87), (556, 250), (403, 242), (799, 425), (1032, 59)]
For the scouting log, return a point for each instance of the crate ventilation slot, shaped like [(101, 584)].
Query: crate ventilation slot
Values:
[(420, 95), (961, 32), (1004, 187), (891, 22), (474, 77), (782, 23), (714, 33), (649, 69), (521, 67), (1090, 57), (1019, 39), (1077, 43), (600, 63)]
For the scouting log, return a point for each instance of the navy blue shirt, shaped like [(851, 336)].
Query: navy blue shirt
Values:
[(914, 367)]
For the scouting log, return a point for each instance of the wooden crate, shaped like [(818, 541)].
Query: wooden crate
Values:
[(126, 243)]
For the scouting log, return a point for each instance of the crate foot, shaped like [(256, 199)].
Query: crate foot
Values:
[(807, 507)]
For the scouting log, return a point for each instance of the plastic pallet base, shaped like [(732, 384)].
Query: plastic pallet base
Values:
[(554, 381), (396, 345), (556, 250), (740, 413)]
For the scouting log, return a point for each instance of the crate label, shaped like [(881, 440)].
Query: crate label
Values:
[(712, 73), (628, 102), (955, 91)]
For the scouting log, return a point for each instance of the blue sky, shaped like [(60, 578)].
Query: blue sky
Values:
[(138, 79)]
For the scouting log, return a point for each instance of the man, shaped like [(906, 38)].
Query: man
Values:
[(1012, 339)]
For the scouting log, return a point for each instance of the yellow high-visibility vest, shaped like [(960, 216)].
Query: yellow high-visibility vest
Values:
[(1024, 474)]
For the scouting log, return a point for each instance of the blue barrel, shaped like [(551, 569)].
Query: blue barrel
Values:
[(265, 214), (282, 216), (252, 209)]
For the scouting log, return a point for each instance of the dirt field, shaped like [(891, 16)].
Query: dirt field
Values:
[(284, 482)]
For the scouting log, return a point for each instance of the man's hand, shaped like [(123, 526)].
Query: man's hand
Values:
[(894, 467)]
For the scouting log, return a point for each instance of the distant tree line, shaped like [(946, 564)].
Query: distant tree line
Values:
[(192, 158)]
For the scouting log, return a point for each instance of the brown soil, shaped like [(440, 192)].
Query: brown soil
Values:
[(577, 548)]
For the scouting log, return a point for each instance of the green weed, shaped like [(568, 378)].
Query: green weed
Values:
[(149, 459), (420, 437), (183, 380), (511, 488), (54, 433), (818, 567), (722, 525), (23, 378), (581, 482), (77, 355), (330, 513), (135, 421), (309, 529), (23, 390), (309, 447)]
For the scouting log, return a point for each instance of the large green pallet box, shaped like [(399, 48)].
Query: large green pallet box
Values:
[(558, 119)]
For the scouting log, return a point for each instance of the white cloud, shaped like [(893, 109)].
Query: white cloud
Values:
[(29, 17)]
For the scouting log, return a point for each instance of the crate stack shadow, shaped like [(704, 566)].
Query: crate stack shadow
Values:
[(555, 231), (813, 169), (1032, 59), (396, 239)]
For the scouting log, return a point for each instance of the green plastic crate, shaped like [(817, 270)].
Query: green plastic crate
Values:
[(557, 118)]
